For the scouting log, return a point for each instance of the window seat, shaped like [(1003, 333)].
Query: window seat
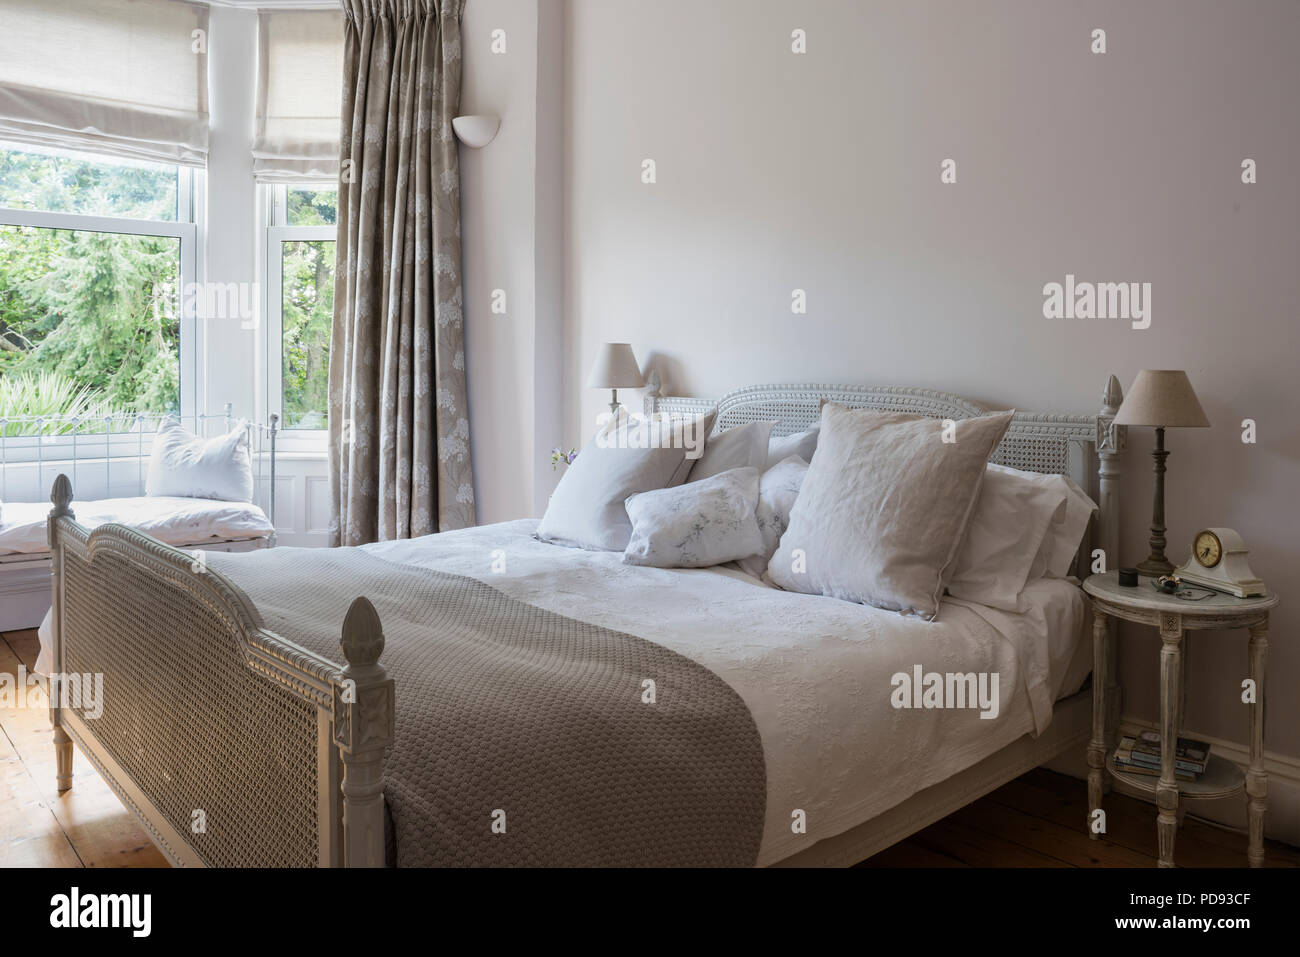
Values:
[(175, 521), (185, 523)]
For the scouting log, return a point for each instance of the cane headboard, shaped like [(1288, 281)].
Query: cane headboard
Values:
[(1084, 447)]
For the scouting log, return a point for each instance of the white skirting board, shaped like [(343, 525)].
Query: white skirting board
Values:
[(1281, 822)]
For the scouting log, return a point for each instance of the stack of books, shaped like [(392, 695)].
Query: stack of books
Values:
[(1141, 755)]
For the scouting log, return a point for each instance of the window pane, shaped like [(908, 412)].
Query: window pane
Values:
[(88, 322), (307, 274), (311, 206), (63, 182)]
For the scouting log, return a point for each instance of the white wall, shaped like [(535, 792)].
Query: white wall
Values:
[(510, 231), (778, 171)]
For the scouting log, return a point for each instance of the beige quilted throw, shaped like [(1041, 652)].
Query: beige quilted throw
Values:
[(524, 737)]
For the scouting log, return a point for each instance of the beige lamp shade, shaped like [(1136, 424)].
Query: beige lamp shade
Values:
[(615, 368), (1162, 398)]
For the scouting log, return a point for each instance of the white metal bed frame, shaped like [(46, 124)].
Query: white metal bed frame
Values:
[(283, 750)]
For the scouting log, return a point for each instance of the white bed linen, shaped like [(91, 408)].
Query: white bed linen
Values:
[(175, 521), (815, 672)]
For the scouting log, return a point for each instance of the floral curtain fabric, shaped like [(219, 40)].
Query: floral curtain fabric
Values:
[(399, 425)]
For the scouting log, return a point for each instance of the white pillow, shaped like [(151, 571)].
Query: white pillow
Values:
[(696, 525), (1012, 518), (884, 507), (744, 446), (628, 454), (802, 444), (777, 490), (1062, 540), (185, 465)]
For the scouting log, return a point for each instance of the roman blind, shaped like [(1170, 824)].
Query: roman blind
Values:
[(299, 92), (123, 77)]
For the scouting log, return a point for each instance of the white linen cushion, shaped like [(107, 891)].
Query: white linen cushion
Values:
[(777, 490), (802, 444), (1011, 519), (744, 446), (1062, 540), (884, 507), (628, 454), (184, 465), (697, 524)]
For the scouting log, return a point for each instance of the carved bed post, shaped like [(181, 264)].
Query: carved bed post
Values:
[(61, 496), (1111, 441), (652, 393), (363, 728)]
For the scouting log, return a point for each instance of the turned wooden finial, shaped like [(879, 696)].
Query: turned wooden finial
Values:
[(363, 636), (1113, 397), (61, 496)]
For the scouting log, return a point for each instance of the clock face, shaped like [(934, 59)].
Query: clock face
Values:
[(1208, 549)]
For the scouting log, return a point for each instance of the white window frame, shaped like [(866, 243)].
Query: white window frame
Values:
[(278, 232), (190, 184)]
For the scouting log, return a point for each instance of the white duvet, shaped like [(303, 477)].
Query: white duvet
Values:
[(815, 672), (175, 521)]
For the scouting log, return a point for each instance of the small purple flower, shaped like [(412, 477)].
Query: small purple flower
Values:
[(558, 455)]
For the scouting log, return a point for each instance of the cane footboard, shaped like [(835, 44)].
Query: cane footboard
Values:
[(234, 747)]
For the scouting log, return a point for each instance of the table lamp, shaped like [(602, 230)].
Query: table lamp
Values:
[(616, 368), (1163, 399)]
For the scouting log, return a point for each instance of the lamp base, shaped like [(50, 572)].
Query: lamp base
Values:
[(1155, 564), (1154, 568)]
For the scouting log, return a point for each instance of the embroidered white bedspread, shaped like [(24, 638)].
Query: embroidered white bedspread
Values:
[(815, 672)]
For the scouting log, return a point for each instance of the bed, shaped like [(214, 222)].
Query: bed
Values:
[(246, 713)]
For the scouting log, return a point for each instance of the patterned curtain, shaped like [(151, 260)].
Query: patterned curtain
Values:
[(399, 426)]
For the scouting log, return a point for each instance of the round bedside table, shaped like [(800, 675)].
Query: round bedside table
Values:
[(1173, 616)]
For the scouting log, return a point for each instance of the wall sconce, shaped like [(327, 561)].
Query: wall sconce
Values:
[(476, 131)]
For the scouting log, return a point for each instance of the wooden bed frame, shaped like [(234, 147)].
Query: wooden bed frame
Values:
[(235, 747)]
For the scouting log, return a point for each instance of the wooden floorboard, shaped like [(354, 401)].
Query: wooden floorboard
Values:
[(1042, 815), (1036, 820), (86, 826)]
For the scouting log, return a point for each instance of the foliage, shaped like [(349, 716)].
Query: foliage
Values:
[(96, 309), (53, 395), (63, 183), (308, 316), (97, 312), (311, 207)]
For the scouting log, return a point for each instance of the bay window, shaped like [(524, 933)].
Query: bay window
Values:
[(147, 265), (95, 257)]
